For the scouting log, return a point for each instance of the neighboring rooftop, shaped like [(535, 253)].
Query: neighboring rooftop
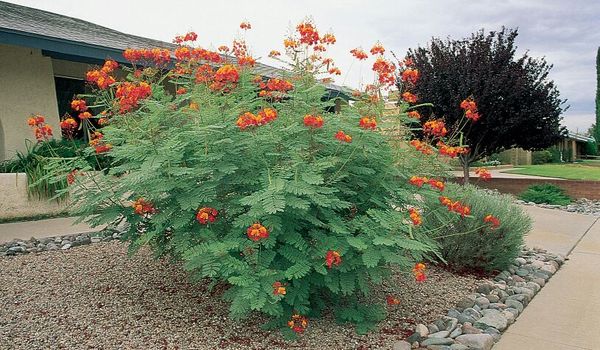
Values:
[(69, 38)]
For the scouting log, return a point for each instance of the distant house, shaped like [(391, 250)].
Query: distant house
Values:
[(43, 60), (572, 146)]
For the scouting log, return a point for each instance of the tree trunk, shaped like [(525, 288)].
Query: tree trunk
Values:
[(464, 161)]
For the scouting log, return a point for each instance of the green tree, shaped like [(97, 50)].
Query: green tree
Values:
[(520, 106)]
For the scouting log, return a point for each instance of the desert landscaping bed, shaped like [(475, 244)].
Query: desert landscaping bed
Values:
[(94, 296)]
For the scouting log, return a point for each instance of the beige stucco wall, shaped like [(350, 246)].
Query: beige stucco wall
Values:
[(26, 87), (14, 202)]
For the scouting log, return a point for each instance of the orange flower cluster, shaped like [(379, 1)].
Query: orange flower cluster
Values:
[(455, 206), (71, 176), (415, 216), (223, 48), (245, 25), (226, 76), (181, 91), (435, 127), (155, 55), (290, 43), (85, 115), (410, 75), (191, 36), (274, 53), (377, 49), (68, 127), (274, 88), (419, 272), (451, 151), (494, 221), (422, 147), (308, 33), (414, 114), (103, 121), (334, 70), (409, 97), (483, 174), (99, 145), (391, 300), (206, 215), (328, 39), (143, 207), (342, 136), (332, 258), (101, 77), (419, 181), (204, 73), (470, 108), (257, 232), (41, 130), (298, 323), (129, 94), (367, 123), (79, 105), (266, 115), (385, 71), (359, 53), (279, 288), (313, 121)]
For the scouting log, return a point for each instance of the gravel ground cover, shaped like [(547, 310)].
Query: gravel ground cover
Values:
[(95, 296)]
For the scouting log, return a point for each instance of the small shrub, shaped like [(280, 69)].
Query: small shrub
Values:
[(590, 149), (546, 194), (556, 155), (472, 242), (541, 157)]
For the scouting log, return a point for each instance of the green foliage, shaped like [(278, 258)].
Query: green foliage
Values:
[(545, 193), (314, 194), (470, 243), (541, 157), (590, 149)]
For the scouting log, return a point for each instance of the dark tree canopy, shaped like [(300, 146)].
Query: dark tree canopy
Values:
[(520, 106)]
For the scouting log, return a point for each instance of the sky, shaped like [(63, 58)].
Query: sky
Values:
[(566, 33)]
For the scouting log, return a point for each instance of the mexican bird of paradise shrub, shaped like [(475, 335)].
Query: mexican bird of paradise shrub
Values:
[(251, 182)]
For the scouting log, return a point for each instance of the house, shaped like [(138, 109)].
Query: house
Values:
[(43, 60), (572, 146)]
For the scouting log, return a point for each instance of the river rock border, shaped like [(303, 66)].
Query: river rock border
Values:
[(35, 245), (478, 319)]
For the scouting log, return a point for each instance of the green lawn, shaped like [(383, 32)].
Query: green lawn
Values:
[(588, 170)]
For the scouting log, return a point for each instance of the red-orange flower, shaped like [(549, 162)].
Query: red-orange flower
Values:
[(385, 71), (436, 184), (279, 288), (410, 75), (470, 108), (483, 174), (245, 25), (274, 53), (257, 232), (451, 151), (391, 300), (68, 126), (377, 49), (85, 115), (143, 207), (494, 221), (298, 323), (328, 39), (409, 97), (226, 76), (206, 215), (129, 94), (313, 121), (191, 36), (359, 53), (419, 272), (290, 43), (455, 206), (263, 117), (417, 180), (367, 123), (415, 216), (42, 131), (342, 136), (332, 258), (308, 33), (79, 105), (71, 176), (435, 127), (422, 147), (414, 114), (334, 70), (181, 91), (98, 143)]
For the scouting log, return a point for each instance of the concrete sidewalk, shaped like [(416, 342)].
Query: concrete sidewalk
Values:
[(500, 174), (565, 314), (42, 228)]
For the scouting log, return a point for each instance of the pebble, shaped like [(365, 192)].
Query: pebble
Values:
[(476, 341), (440, 334), (402, 345), (66, 246), (437, 341), (492, 318), (465, 303), (422, 330), (515, 304), (482, 302), (469, 329), (34, 245)]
